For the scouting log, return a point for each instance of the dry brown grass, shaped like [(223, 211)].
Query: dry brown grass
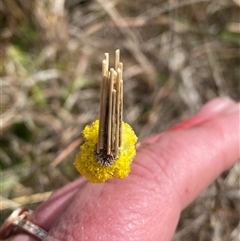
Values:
[(177, 55)]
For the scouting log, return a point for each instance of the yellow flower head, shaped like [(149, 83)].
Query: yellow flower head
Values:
[(87, 164), (109, 142)]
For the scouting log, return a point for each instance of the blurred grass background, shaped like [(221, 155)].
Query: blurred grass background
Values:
[(177, 55)]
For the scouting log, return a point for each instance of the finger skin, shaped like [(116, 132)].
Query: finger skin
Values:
[(166, 176), (58, 201), (212, 109), (47, 213)]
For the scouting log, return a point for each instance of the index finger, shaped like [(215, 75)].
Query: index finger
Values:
[(166, 176)]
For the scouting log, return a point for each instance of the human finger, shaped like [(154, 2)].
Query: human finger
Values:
[(213, 108), (47, 213), (166, 176)]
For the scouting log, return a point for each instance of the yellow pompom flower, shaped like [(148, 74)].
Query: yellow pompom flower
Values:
[(109, 145), (87, 164)]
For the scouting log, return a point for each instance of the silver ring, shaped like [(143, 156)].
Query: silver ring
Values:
[(18, 222)]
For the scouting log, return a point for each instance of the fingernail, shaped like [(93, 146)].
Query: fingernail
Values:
[(192, 121), (232, 110), (216, 106), (211, 109)]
